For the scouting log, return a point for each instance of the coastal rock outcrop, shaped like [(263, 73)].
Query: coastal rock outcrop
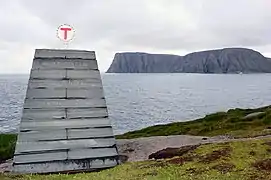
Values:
[(228, 60)]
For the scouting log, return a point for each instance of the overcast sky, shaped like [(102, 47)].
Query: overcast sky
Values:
[(110, 26)]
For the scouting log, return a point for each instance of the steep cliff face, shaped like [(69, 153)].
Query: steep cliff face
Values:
[(229, 60)]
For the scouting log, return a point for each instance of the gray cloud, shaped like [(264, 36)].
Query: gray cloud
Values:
[(160, 26)]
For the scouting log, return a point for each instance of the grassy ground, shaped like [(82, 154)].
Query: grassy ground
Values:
[(226, 161), (221, 123), (7, 145)]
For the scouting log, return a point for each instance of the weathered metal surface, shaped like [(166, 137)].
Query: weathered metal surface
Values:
[(32, 158), (63, 114), (46, 93), (89, 133), (41, 114), (63, 74), (45, 135), (65, 64), (63, 134), (60, 124), (64, 93), (65, 125), (85, 93), (68, 165), (86, 113), (63, 103), (83, 153), (67, 54), (29, 146), (90, 84)]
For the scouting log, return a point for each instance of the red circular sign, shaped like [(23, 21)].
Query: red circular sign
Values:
[(65, 32)]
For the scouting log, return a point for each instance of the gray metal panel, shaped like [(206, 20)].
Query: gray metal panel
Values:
[(41, 114), (24, 147), (62, 74), (68, 54), (82, 74), (65, 64), (29, 158), (63, 114), (71, 84), (63, 103), (45, 93), (85, 93), (64, 93), (67, 166), (47, 74), (89, 133), (61, 134), (93, 153), (60, 124), (86, 113), (42, 135)]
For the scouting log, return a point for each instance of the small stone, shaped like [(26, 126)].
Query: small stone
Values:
[(253, 115)]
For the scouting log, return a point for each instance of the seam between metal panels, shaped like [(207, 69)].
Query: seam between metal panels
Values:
[(66, 113)]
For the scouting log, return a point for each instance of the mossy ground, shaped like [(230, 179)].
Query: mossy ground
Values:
[(7, 145), (243, 160), (231, 123)]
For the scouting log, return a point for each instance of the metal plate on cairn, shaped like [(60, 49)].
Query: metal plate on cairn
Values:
[(64, 125)]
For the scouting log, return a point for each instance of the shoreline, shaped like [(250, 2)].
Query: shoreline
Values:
[(182, 145)]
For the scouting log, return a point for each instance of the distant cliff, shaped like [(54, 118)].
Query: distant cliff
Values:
[(228, 60)]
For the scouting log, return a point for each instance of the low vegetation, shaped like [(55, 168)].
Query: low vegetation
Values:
[(225, 161), (7, 146), (235, 122), (242, 160)]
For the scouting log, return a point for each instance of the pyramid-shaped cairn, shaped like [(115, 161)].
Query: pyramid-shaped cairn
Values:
[(64, 125)]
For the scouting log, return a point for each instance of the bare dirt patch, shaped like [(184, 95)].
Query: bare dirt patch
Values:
[(263, 165), (181, 160), (123, 158), (172, 152), (267, 143), (224, 167), (215, 155)]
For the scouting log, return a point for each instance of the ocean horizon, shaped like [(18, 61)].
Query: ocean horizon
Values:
[(136, 101)]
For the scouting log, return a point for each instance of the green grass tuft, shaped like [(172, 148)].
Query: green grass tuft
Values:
[(7, 146)]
